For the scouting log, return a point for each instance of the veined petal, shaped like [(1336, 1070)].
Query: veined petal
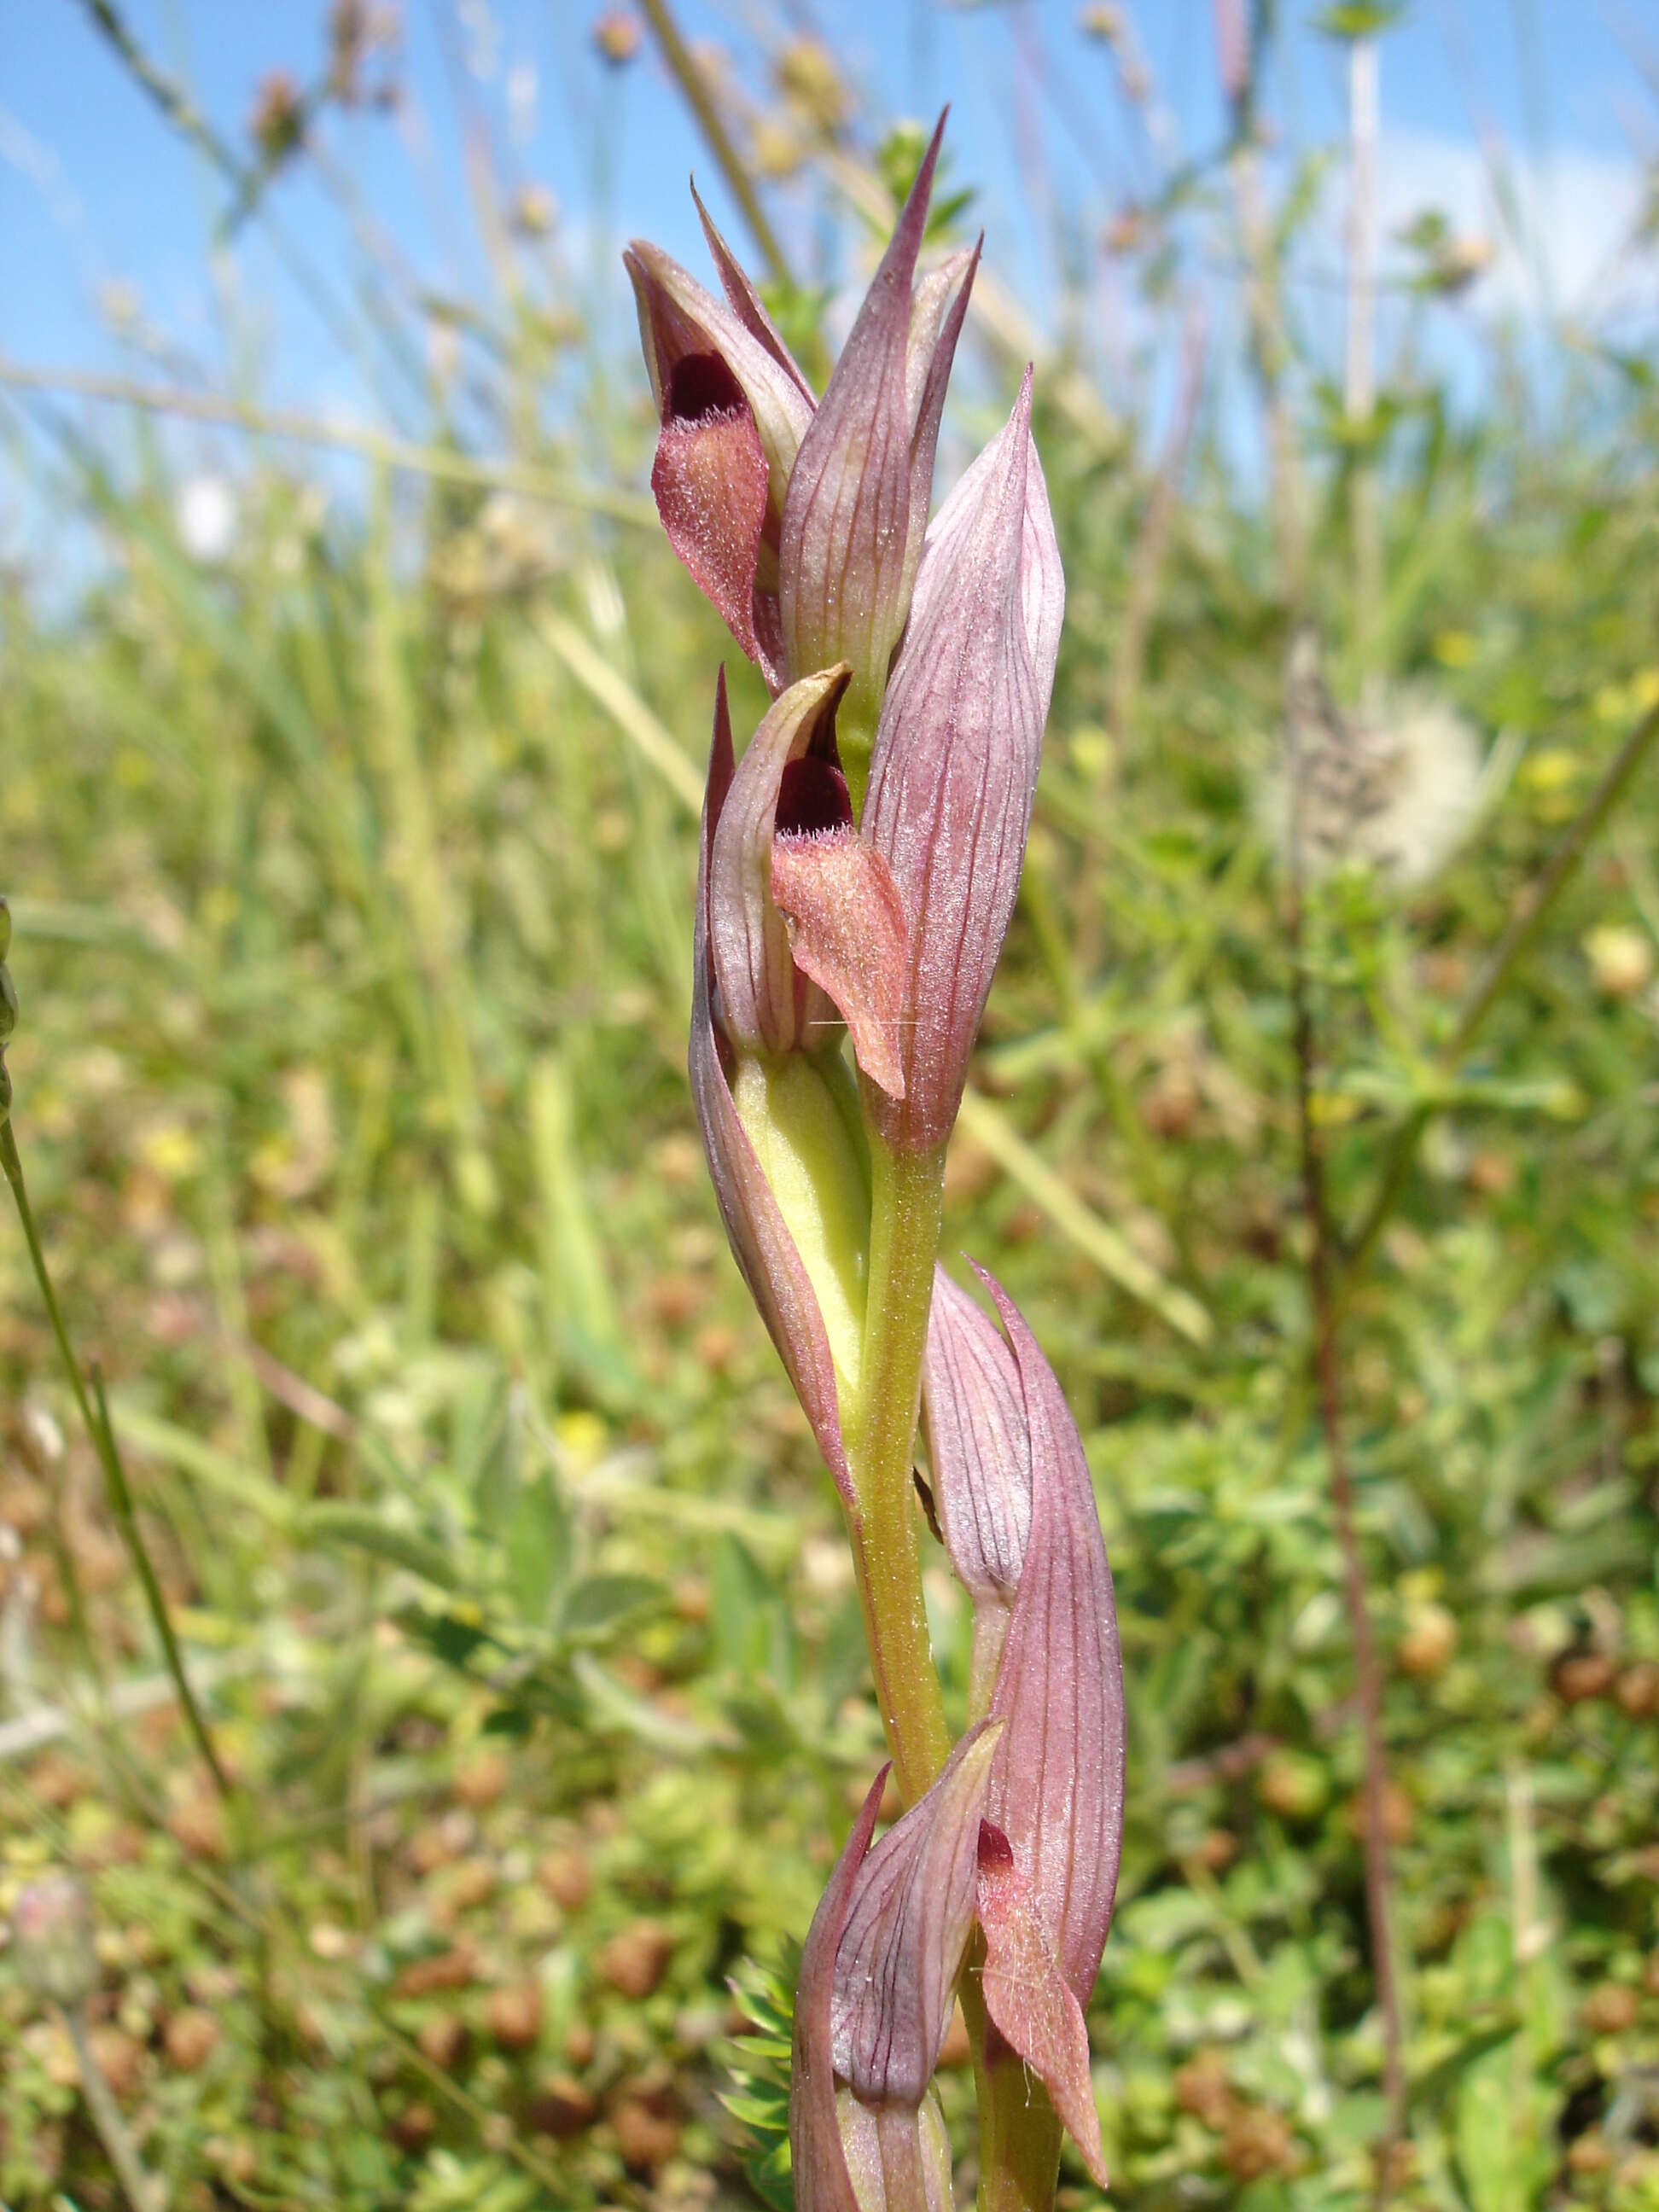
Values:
[(955, 760), (846, 520), (936, 313), (1028, 1998), (1056, 1788), (765, 1003), (934, 299), (746, 302), (974, 1417), (846, 932), (816, 2161), (908, 1921), (977, 1443), (761, 1243)]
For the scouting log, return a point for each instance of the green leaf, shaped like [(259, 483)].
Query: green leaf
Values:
[(537, 1550), (598, 1606), (330, 1524)]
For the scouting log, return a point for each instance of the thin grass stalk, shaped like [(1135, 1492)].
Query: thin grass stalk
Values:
[(1153, 542), (1379, 1880), (1359, 392), (681, 65), (144, 2189), (399, 455), (102, 1438)]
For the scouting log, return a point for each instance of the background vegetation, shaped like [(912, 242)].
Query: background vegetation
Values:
[(350, 864)]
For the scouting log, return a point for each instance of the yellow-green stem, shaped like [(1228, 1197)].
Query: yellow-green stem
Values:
[(904, 1225)]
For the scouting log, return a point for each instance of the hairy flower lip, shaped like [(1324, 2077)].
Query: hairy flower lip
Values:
[(679, 316), (1031, 2005), (732, 425)]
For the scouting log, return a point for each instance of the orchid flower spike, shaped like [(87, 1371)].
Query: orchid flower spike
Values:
[(802, 521), (893, 927)]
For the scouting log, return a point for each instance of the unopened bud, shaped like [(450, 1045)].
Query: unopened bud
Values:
[(52, 1942), (5, 929), (8, 1004)]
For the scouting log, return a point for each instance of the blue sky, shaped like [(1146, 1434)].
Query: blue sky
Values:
[(99, 199)]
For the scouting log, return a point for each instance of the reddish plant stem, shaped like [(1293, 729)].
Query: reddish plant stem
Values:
[(1368, 1681)]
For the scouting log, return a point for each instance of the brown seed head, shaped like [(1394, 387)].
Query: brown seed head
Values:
[(515, 2015), (635, 1961), (1610, 2009), (192, 2037)]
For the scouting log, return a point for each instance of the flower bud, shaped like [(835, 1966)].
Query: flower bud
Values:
[(782, 983), (733, 408), (796, 1263), (1056, 1788), (52, 1941), (955, 760)]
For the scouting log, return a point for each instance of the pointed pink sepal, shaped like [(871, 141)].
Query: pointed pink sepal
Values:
[(956, 757), (857, 504), (906, 1927)]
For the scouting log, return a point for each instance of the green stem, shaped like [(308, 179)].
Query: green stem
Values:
[(904, 1225), (109, 1460), (144, 2191)]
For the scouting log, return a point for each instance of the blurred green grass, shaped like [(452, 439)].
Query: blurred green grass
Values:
[(352, 886)]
